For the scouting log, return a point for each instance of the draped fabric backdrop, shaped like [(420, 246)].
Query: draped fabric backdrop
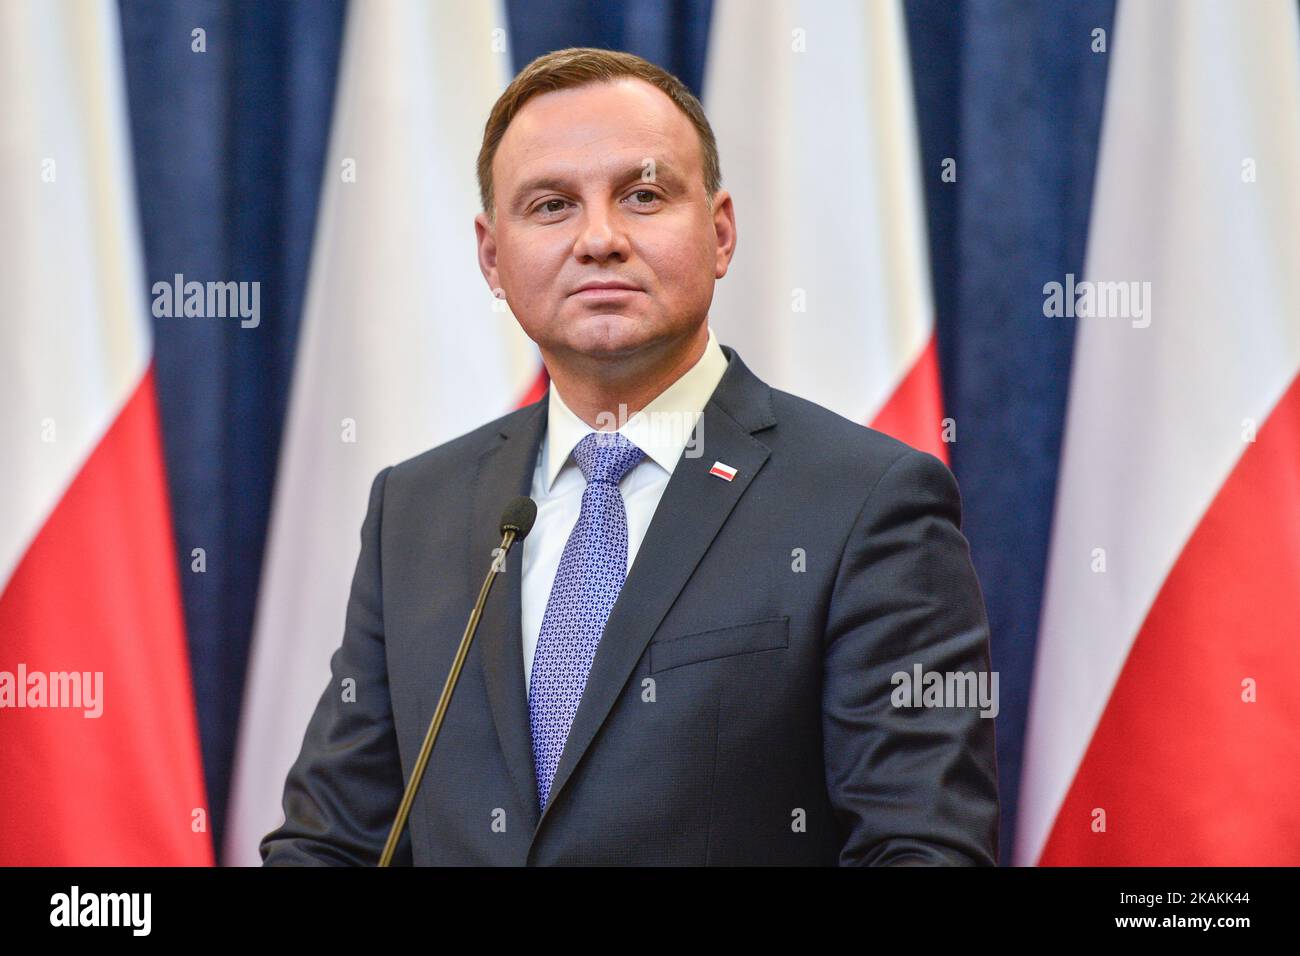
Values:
[(230, 147), (229, 152)]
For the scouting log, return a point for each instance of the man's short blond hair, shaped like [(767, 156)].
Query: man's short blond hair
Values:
[(580, 66)]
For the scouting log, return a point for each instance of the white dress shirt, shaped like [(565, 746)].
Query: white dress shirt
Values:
[(662, 430)]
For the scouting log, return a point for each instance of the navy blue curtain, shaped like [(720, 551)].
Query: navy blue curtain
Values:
[(229, 145), (1013, 92), (673, 34)]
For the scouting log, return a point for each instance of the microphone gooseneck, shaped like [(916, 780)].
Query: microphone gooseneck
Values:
[(516, 521)]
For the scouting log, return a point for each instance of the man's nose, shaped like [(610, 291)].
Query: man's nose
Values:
[(600, 235)]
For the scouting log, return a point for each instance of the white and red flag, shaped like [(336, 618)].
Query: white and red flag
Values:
[(98, 734), (828, 295), (1164, 714)]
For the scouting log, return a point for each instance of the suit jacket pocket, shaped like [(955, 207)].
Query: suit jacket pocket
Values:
[(719, 642)]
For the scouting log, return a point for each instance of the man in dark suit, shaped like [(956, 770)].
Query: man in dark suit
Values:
[(696, 655)]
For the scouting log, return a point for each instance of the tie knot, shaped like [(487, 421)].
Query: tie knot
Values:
[(606, 456)]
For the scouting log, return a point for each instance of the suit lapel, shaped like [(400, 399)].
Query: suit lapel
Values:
[(689, 515), (504, 471)]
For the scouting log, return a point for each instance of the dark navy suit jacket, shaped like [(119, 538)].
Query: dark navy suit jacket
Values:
[(738, 710)]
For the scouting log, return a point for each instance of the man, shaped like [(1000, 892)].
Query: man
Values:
[(693, 656)]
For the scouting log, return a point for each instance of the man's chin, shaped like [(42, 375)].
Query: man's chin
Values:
[(611, 336)]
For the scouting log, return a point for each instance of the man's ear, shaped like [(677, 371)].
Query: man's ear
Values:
[(485, 233), (724, 227)]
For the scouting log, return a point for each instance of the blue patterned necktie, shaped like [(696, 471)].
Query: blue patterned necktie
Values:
[(587, 582)]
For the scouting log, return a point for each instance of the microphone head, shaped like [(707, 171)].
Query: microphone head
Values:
[(519, 517)]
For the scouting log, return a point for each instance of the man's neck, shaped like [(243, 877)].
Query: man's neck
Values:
[(604, 394)]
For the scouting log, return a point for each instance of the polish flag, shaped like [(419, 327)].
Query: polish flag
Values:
[(1165, 715), (98, 734), (403, 347), (828, 295)]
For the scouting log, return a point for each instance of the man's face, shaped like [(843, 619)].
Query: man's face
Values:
[(604, 184)]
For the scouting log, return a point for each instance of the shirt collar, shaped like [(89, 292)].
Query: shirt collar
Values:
[(661, 429)]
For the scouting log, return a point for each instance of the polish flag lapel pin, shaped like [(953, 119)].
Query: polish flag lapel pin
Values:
[(725, 472)]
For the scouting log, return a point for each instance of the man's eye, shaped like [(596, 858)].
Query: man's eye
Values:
[(650, 194), (546, 206)]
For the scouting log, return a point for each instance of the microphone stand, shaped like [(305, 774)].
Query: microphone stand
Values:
[(403, 811)]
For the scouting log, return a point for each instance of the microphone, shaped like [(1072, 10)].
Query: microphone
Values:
[(516, 521), (519, 517)]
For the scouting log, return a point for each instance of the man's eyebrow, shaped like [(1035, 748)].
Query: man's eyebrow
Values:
[(662, 173)]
